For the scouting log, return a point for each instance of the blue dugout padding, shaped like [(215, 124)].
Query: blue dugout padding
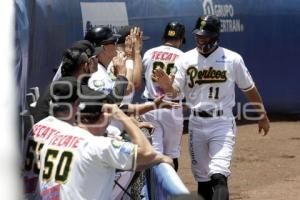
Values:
[(21, 50), (164, 183), (265, 33)]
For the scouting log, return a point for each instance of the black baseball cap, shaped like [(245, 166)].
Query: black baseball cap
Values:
[(101, 35), (91, 101), (64, 90), (86, 47)]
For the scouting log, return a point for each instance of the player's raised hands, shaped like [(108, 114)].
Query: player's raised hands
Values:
[(119, 63), (136, 36), (128, 47), (162, 78)]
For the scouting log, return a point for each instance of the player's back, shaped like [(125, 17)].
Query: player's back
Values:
[(163, 56), (78, 165), (35, 140)]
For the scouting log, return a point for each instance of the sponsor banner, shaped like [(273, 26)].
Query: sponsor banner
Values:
[(103, 13), (226, 12), (266, 34)]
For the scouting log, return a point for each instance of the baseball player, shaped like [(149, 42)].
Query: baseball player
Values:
[(130, 42), (103, 38), (168, 123), (78, 60), (207, 76), (63, 92), (80, 163)]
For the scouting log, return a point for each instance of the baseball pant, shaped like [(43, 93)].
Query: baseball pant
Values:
[(211, 146), (168, 127)]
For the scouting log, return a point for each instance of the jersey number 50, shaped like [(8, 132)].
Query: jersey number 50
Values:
[(61, 168)]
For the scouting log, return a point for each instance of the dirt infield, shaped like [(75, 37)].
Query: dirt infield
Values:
[(263, 168)]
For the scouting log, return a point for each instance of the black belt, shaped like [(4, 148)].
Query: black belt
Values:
[(174, 101), (203, 113)]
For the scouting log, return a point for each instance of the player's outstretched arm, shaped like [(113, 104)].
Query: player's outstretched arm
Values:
[(159, 158), (166, 82), (137, 36), (158, 103), (129, 64), (146, 155), (133, 46), (254, 97)]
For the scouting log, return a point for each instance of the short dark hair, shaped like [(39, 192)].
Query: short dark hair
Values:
[(89, 118), (63, 92), (90, 106)]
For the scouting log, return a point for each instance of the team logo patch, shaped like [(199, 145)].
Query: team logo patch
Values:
[(223, 60), (126, 148), (116, 144), (171, 33), (202, 24), (98, 83)]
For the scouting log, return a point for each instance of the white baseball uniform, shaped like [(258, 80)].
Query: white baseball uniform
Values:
[(168, 124), (208, 84), (78, 165), (104, 80), (115, 128), (101, 81), (40, 133)]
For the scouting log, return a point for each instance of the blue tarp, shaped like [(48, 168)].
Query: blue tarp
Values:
[(265, 33), (21, 49)]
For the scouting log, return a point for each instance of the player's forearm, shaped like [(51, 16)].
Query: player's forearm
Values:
[(129, 76), (139, 109), (135, 133), (137, 71), (129, 63), (156, 159), (146, 154), (254, 97), (171, 91)]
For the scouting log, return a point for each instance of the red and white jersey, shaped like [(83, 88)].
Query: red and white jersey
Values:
[(209, 83), (163, 56), (41, 132), (78, 165)]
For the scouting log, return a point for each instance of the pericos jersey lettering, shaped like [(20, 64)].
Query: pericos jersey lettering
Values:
[(209, 75)]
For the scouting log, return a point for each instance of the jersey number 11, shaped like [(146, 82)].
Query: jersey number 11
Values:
[(213, 93)]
